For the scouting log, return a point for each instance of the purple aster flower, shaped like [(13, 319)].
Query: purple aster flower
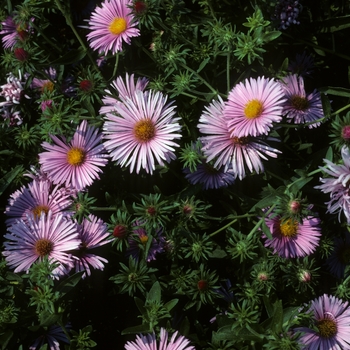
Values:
[(238, 153), (45, 84), (125, 90), (300, 107), (93, 234), (331, 317), (149, 342), (77, 163), (49, 236), (291, 239), (303, 64), (138, 241), (287, 12), (52, 337), (340, 258), (13, 90), (210, 177), (112, 24), (252, 107), (38, 198), (142, 131), (9, 32), (337, 185)]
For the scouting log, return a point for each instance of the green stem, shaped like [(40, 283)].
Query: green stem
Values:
[(319, 47), (258, 224), (340, 110), (231, 222), (115, 66), (199, 78), (314, 172), (228, 72), (48, 40), (103, 208)]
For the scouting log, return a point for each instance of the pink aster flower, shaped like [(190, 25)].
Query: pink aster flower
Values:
[(38, 198), (300, 107), (93, 234), (76, 163), (337, 185), (253, 106), (142, 131), (124, 90), (149, 342), (43, 85), (238, 153), (331, 318), (32, 240), (112, 24), (9, 32), (291, 239), (53, 336)]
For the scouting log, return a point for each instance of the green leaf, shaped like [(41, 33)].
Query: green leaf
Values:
[(289, 313), (154, 294), (69, 283), (217, 253), (268, 306), (266, 230), (277, 316), (267, 37), (5, 338), (143, 328), (170, 304), (329, 154), (140, 305), (8, 178), (337, 91), (70, 57), (203, 64), (48, 319)]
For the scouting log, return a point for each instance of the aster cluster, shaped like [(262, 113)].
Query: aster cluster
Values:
[(174, 175)]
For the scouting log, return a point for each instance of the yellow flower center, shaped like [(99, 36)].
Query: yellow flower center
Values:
[(118, 26), (240, 140), (47, 86), (288, 228), (327, 328), (253, 109), (75, 156), (144, 130), (144, 239), (43, 247), (299, 102), (39, 209)]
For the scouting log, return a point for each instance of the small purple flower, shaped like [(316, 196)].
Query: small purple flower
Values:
[(210, 177), (76, 163), (52, 337), (300, 107), (287, 12), (149, 342), (138, 242), (330, 329), (92, 233), (303, 65), (12, 117)]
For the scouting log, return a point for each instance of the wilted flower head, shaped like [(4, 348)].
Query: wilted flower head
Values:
[(287, 12), (337, 185), (13, 90)]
